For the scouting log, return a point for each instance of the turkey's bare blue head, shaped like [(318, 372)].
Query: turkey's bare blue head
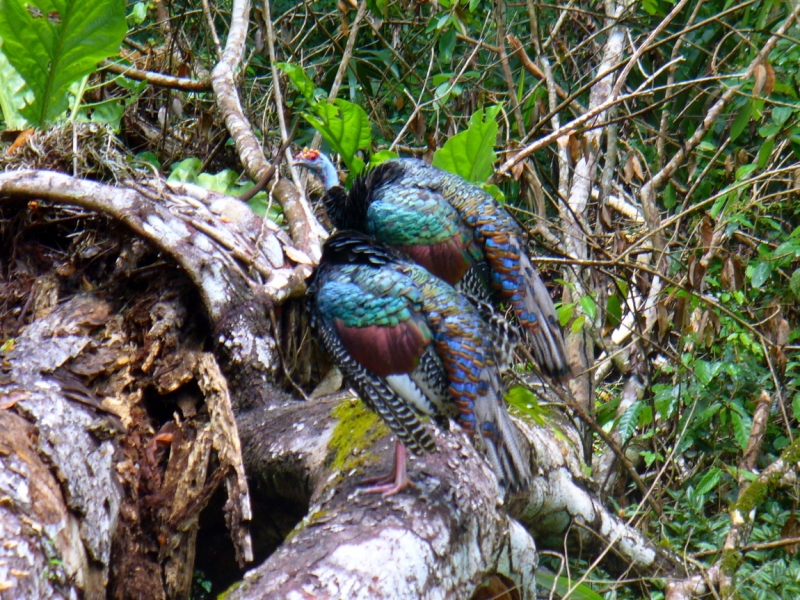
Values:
[(319, 164), (346, 211)]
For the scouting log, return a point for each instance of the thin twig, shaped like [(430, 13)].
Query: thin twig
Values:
[(159, 79)]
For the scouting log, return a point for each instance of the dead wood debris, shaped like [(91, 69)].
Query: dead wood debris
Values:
[(81, 149), (133, 375)]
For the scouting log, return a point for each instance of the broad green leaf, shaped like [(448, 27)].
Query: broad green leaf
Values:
[(589, 307), (186, 171), (148, 158), (670, 199), (719, 204), (650, 457), (796, 405), (781, 113), (709, 481), (666, 400), (741, 121), (547, 581), (381, 156), (299, 80), (378, 7), (613, 310), (565, 312), (607, 411), (650, 6), (54, 43), (526, 402), (745, 171), (761, 273), (741, 428), (577, 324), (261, 205), (12, 94), (768, 130), (471, 152), (706, 371), (794, 283), (758, 109), (786, 251), (645, 416), (628, 421), (447, 43), (441, 78), (346, 128), (781, 442), (108, 112), (138, 14), (221, 182), (495, 192), (764, 152)]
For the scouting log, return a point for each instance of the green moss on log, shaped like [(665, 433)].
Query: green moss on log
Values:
[(354, 436), (755, 495)]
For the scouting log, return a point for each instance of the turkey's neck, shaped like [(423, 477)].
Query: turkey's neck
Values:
[(330, 178)]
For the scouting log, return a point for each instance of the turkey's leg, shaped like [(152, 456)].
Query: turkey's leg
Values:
[(396, 481)]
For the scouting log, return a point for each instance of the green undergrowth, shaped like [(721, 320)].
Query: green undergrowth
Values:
[(354, 436)]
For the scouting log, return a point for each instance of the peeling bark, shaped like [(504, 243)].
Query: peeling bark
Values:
[(53, 437)]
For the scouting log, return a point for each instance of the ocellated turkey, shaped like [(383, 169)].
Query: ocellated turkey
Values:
[(412, 345), (456, 231)]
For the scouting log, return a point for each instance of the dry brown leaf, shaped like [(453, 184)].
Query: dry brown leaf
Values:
[(680, 311), (418, 126), (732, 275), (574, 148), (742, 158), (760, 78), (66, 269), (782, 332), (637, 167), (796, 182), (23, 137), (697, 272), (729, 165), (627, 170), (620, 242), (663, 320), (496, 587), (769, 82), (204, 123), (706, 233), (700, 325), (605, 216), (790, 529)]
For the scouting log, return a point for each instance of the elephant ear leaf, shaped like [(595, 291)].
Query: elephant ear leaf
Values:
[(55, 43), (470, 153)]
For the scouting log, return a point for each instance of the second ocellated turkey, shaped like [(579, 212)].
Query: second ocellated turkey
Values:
[(412, 346), (456, 231)]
